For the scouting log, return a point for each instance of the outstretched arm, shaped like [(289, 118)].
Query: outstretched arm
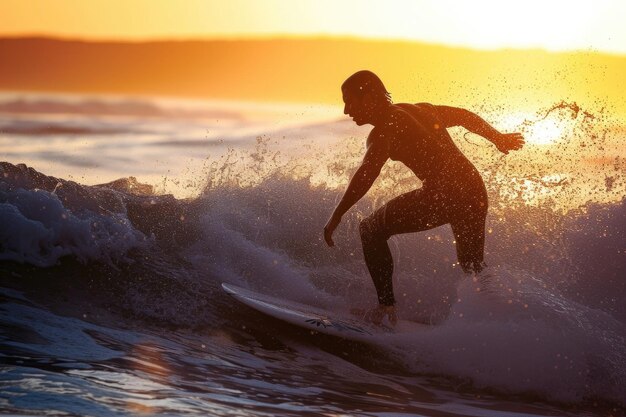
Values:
[(373, 161), (454, 116)]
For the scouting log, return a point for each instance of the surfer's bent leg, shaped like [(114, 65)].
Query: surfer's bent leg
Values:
[(469, 233), (410, 212), (378, 258)]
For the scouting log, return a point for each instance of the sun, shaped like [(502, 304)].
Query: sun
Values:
[(543, 132)]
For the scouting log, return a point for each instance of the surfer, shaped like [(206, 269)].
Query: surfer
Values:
[(452, 192)]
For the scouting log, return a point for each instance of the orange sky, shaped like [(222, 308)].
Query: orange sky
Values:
[(554, 25), (281, 70)]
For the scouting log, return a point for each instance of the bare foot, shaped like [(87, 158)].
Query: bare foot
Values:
[(377, 314)]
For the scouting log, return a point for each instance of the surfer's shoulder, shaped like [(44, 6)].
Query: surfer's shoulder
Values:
[(416, 106), (387, 128), (377, 135)]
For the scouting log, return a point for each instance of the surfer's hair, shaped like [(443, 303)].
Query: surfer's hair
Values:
[(364, 81)]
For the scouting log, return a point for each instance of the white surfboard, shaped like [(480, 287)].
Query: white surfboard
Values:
[(316, 319)]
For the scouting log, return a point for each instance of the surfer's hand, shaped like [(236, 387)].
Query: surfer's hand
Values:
[(509, 142), (330, 227)]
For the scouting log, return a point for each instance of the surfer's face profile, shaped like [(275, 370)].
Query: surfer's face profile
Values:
[(359, 108)]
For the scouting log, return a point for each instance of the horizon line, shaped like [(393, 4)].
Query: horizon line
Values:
[(313, 36)]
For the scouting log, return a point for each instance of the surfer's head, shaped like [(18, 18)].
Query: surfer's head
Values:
[(364, 94)]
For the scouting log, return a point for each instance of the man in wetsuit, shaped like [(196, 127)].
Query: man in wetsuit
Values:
[(453, 191)]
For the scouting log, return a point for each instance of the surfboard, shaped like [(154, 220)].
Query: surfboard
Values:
[(316, 319)]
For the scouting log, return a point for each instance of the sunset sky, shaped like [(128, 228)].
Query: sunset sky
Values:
[(554, 25), (524, 54)]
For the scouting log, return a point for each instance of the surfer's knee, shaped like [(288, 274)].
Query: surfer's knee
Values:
[(368, 228), (365, 227)]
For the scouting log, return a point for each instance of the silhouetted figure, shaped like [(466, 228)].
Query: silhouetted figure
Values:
[(453, 191)]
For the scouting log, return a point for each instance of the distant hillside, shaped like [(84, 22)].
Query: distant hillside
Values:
[(311, 70)]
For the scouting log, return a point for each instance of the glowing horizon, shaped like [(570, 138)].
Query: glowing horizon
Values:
[(482, 24)]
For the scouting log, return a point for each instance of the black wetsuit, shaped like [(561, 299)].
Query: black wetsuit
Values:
[(453, 192)]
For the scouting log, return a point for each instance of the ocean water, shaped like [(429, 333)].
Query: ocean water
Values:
[(120, 217)]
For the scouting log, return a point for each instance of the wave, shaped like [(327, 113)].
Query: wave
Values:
[(37, 128), (46, 218), (512, 330), (110, 107), (546, 320)]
